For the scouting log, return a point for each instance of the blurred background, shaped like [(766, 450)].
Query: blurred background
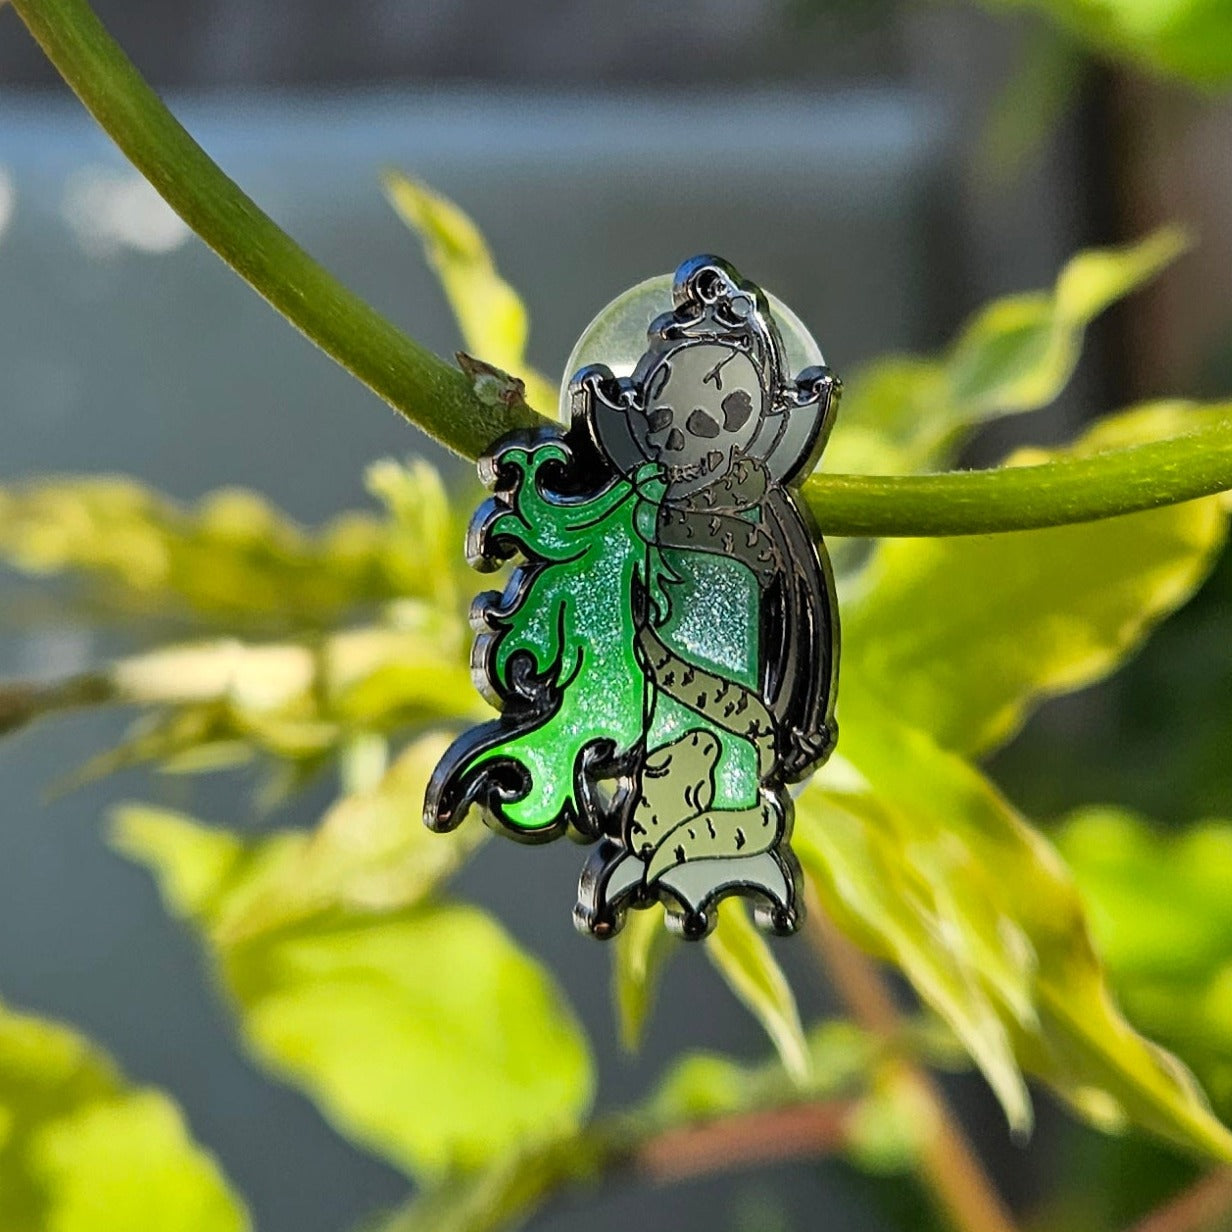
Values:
[(884, 167)]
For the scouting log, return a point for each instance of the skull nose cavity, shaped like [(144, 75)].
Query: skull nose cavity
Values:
[(701, 424), (737, 407), (675, 440), (659, 418)]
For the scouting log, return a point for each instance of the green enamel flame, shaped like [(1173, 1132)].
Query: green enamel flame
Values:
[(576, 620)]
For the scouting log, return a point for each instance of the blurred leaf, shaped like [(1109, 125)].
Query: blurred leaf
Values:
[(1190, 39), (232, 558), (907, 413), (212, 705), (742, 956), (1161, 914), (425, 1035), (699, 1085), (82, 1151), (965, 636), (640, 952), (504, 1193), (885, 1129), (418, 1026), (903, 899), (427, 532), (1031, 106), (1005, 922), (699, 1088), (370, 852), (489, 312)]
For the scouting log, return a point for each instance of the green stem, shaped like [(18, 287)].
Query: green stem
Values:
[(429, 392), (442, 401), (1008, 498)]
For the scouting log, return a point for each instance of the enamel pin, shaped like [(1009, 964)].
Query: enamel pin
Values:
[(665, 654)]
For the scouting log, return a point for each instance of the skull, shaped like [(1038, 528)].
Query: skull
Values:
[(703, 405)]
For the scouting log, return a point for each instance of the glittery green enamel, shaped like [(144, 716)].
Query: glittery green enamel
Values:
[(576, 621)]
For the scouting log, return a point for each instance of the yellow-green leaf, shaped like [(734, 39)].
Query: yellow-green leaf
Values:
[(1018, 353), (230, 559), (1189, 39), (640, 953), (699, 1087), (964, 636), (418, 1027), (911, 906), (82, 1151), (1162, 919), (742, 957), (841, 1061), (1004, 919), (425, 1035), (490, 314), (211, 705), (907, 413)]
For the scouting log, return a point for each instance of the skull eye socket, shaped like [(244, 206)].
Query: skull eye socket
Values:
[(701, 424), (737, 407), (659, 418)]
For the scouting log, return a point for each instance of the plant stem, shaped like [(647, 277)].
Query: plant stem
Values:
[(637, 1143), (439, 399), (1008, 498), (431, 393), (743, 1140), (948, 1164), (22, 702), (1200, 1207)]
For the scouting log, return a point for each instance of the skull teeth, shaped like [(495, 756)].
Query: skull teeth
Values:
[(694, 470)]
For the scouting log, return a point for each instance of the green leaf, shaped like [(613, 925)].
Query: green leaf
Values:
[(640, 952), (231, 559), (953, 947), (211, 705), (418, 1027), (699, 1087), (502, 1195), (1029, 107), (1004, 921), (907, 413), (82, 1151), (1158, 901), (1189, 39), (490, 314), (1161, 915), (742, 957), (214, 704), (426, 1035), (886, 1131), (370, 853), (425, 530), (965, 636)]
